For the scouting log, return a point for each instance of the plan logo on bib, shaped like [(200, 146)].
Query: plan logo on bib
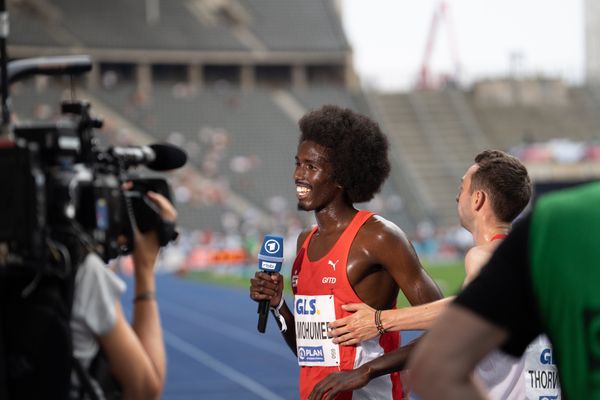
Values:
[(311, 354)]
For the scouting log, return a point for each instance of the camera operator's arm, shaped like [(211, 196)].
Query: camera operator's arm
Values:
[(137, 356)]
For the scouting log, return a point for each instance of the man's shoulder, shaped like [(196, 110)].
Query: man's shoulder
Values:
[(476, 258), (381, 225), (379, 231), (481, 250)]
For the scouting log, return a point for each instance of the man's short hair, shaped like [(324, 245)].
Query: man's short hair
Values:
[(506, 181), (358, 150)]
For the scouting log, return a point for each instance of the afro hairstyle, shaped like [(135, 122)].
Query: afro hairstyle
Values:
[(357, 149)]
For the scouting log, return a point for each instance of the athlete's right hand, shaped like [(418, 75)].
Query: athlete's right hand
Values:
[(267, 287)]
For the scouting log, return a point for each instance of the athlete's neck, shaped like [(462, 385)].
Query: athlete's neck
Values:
[(333, 219), (489, 233)]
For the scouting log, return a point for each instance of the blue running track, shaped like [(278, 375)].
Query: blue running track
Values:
[(214, 350)]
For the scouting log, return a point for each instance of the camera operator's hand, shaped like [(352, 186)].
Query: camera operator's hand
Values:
[(167, 211), (146, 245)]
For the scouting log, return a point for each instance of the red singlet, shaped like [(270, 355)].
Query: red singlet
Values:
[(322, 285)]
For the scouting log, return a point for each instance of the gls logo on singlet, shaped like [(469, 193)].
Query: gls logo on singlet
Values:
[(306, 307), (546, 357)]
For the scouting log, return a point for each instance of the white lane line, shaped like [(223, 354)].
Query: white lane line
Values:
[(219, 367), (237, 333)]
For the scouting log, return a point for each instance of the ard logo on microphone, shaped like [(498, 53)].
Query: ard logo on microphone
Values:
[(272, 246), (271, 254)]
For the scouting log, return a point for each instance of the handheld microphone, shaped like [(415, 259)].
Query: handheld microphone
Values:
[(158, 156), (270, 258)]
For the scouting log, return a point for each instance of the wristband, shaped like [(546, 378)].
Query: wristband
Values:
[(144, 296), (278, 315), (278, 307)]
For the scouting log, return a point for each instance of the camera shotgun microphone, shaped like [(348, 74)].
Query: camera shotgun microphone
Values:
[(270, 259), (158, 156)]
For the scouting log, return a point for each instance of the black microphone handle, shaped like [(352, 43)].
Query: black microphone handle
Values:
[(263, 315)]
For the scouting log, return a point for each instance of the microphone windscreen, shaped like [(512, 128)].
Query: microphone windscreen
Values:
[(270, 256), (167, 156)]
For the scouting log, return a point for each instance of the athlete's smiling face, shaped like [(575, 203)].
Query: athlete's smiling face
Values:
[(315, 187)]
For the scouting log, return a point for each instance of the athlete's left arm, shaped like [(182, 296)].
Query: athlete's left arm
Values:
[(392, 250), (346, 381)]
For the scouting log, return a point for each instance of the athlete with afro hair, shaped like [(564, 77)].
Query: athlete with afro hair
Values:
[(349, 255)]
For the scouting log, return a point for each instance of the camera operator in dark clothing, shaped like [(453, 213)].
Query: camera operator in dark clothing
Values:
[(135, 353)]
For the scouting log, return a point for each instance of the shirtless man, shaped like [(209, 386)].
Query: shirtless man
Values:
[(350, 256), (493, 191)]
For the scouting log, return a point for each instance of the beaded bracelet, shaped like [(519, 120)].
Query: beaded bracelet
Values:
[(378, 323)]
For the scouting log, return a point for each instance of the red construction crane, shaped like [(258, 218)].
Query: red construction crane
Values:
[(425, 80)]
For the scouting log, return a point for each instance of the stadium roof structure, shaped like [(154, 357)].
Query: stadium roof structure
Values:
[(220, 30)]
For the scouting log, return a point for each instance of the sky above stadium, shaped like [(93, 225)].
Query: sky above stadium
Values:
[(492, 38)]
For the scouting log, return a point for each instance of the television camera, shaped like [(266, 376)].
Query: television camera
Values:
[(58, 184)]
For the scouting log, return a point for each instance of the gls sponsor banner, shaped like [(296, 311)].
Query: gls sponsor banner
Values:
[(314, 346), (541, 374)]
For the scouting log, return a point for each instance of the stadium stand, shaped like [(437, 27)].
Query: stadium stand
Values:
[(228, 79), (235, 112), (434, 136), (439, 131)]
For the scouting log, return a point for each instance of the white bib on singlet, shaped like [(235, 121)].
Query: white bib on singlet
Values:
[(532, 377), (312, 315)]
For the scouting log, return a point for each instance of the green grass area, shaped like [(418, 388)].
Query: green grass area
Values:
[(237, 280), (220, 278), (449, 277)]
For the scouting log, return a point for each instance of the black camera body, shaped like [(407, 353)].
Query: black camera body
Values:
[(60, 183)]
